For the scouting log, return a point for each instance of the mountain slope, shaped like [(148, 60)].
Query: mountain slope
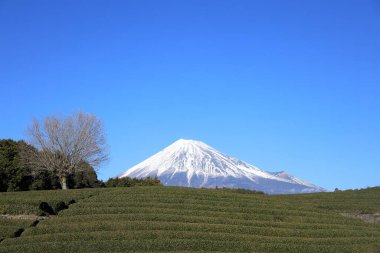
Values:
[(195, 164)]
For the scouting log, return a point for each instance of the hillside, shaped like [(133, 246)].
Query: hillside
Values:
[(147, 219)]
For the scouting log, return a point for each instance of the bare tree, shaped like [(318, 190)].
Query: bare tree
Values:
[(63, 144)]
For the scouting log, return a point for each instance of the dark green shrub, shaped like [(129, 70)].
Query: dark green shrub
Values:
[(129, 182), (34, 223), (46, 208), (18, 232), (60, 206)]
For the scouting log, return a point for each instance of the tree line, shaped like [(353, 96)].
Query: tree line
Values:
[(61, 153), (15, 175)]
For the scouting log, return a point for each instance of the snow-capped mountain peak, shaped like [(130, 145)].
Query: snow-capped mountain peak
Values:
[(195, 164)]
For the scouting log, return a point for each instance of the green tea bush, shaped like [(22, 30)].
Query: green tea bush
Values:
[(173, 219)]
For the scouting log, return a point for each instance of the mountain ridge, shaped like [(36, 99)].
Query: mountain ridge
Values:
[(193, 163)]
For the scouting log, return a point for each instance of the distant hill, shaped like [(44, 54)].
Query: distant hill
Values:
[(195, 164)]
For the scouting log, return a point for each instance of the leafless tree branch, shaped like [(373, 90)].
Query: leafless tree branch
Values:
[(62, 144)]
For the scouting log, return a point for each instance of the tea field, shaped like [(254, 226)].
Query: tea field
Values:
[(163, 219)]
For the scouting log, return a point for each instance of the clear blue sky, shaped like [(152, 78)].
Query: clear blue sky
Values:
[(283, 85)]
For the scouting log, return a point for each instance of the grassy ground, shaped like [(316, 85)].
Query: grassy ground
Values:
[(147, 219), (27, 202)]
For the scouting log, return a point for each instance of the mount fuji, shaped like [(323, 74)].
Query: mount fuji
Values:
[(192, 163)]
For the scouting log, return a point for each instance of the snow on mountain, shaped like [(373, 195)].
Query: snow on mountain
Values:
[(195, 164), (283, 174)]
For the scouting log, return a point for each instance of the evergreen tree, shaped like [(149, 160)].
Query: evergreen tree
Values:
[(16, 176)]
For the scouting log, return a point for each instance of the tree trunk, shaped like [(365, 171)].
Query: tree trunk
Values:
[(64, 182)]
